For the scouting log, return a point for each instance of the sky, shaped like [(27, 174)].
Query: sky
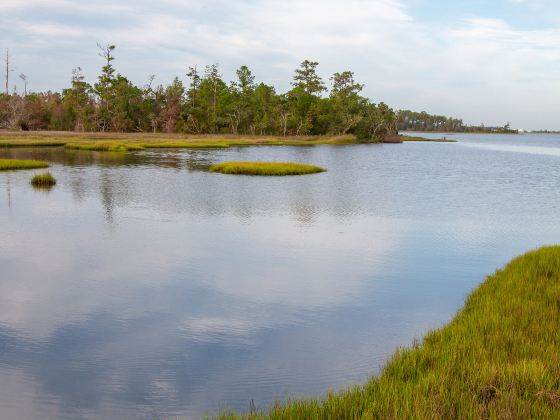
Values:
[(491, 61)]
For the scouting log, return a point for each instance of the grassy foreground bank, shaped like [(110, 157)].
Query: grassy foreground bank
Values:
[(498, 358)]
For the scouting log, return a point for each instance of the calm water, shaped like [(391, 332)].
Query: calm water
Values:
[(142, 286)]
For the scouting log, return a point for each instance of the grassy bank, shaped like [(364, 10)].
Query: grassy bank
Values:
[(121, 142), (265, 168), (4, 142), (187, 145), (104, 146), (92, 141), (13, 164), (498, 358)]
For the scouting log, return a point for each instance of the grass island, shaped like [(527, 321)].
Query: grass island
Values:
[(104, 146), (45, 180), (13, 164), (265, 168)]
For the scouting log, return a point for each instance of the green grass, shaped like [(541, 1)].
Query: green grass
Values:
[(33, 143), (265, 168), (498, 358), (104, 146), (186, 145), (43, 180), (87, 141), (123, 142), (12, 164)]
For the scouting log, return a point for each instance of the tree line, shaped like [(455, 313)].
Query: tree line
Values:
[(205, 105), (422, 121), (209, 105)]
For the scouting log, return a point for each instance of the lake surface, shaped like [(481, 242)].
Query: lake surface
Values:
[(143, 286)]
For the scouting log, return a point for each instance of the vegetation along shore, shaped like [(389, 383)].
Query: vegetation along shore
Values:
[(138, 141), (498, 358)]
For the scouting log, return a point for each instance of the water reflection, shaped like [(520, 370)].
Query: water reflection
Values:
[(144, 286), (8, 191)]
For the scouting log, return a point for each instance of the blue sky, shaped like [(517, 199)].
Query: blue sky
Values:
[(485, 61), (523, 14)]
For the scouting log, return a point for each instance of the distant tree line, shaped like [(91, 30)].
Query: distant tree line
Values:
[(205, 105), (422, 121)]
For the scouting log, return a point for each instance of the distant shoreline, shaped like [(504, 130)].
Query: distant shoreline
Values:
[(111, 141), (448, 133)]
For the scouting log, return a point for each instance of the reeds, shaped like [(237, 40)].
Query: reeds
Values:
[(13, 164), (32, 143), (498, 358), (134, 141), (105, 146), (45, 180), (186, 145), (265, 168)]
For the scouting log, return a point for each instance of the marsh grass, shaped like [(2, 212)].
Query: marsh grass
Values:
[(265, 168), (498, 358), (186, 145), (13, 164), (105, 146), (159, 140), (33, 143), (123, 142), (45, 180)]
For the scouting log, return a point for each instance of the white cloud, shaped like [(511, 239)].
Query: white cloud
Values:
[(50, 30), (504, 72)]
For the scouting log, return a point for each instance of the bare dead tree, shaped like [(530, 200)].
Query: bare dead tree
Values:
[(235, 120), (8, 71), (24, 78), (16, 111), (284, 116), (151, 79)]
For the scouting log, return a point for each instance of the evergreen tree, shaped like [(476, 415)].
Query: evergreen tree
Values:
[(104, 87)]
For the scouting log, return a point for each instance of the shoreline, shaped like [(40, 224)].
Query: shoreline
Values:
[(496, 358), (107, 141), (452, 133)]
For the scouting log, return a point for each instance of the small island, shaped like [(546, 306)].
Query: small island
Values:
[(265, 168), (13, 164), (45, 180)]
